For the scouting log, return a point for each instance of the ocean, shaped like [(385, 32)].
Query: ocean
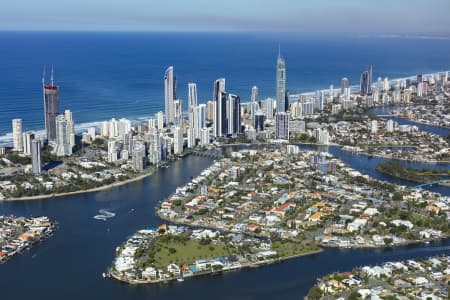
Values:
[(120, 74)]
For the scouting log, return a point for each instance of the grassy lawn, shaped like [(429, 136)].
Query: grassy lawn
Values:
[(288, 248), (179, 251)]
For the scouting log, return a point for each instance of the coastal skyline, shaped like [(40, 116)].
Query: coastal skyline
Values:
[(174, 140), (346, 16)]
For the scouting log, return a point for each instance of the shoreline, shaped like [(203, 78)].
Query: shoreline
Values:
[(97, 189), (250, 265), (402, 244), (430, 162)]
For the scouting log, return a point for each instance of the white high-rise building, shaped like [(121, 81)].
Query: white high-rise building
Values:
[(296, 109), (91, 132), (373, 126), (254, 106), (321, 135), (177, 141), (197, 119), (152, 123), (169, 95), (36, 157), (112, 151), (104, 131), (27, 142), (123, 127), (160, 118), (268, 108), (62, 147), (17, 134), (390, 125), (113, 130), (281, 84), (204, 137), (190, 138), (178, 112), (138, 156), (154, 150), (70, 126), (386, 85), (192, 94)]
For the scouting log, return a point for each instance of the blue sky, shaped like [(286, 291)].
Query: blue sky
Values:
[(382, 16)]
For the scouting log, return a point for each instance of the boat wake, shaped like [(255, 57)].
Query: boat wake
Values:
[(104, 215)]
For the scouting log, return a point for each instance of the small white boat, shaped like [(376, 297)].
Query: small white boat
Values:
[(103, 274), (180, 279)]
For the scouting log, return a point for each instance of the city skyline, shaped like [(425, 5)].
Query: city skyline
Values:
[(273, 16)]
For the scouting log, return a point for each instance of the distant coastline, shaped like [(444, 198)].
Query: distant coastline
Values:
[(97, 189)]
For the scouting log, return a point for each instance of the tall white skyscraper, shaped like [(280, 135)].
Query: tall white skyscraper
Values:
[(219, 99), (27, 142), (36, 156), (70, 126), (160, 118), (178, 112), (190, 138), (254, 105), (63, 147), (17, 134), (204, 136), (169, 95), (123, 127), (281, 84), (177, 141), (199, 119), (112, 151), (138, 155), (192, 94)]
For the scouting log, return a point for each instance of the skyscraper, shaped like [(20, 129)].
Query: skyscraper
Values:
[(51, 106), (219, 98), (17, 134), (70, 126), (178, 112), (259, 121), (282, 125), (170, 94), (177, 141), (281, 83), (254, 104), (344, 85), (28, 138), (62, 147), (138, 156), (366, 82), (233, 115), (36, 156), (192, 94)]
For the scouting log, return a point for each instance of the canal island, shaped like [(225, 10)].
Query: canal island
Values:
[(18, 234), (264, 205)]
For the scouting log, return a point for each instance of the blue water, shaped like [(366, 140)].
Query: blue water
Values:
[(104, 75)]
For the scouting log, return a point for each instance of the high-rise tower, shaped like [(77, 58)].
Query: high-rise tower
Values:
[(219, 99), (366, 82), (51, 106), (17, 134), (281, 83), (192, 94), (170, 94)]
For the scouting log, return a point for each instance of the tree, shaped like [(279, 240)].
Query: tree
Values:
[(314, 293)]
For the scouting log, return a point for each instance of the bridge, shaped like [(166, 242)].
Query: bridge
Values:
[(431, 183), (213, 155)]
